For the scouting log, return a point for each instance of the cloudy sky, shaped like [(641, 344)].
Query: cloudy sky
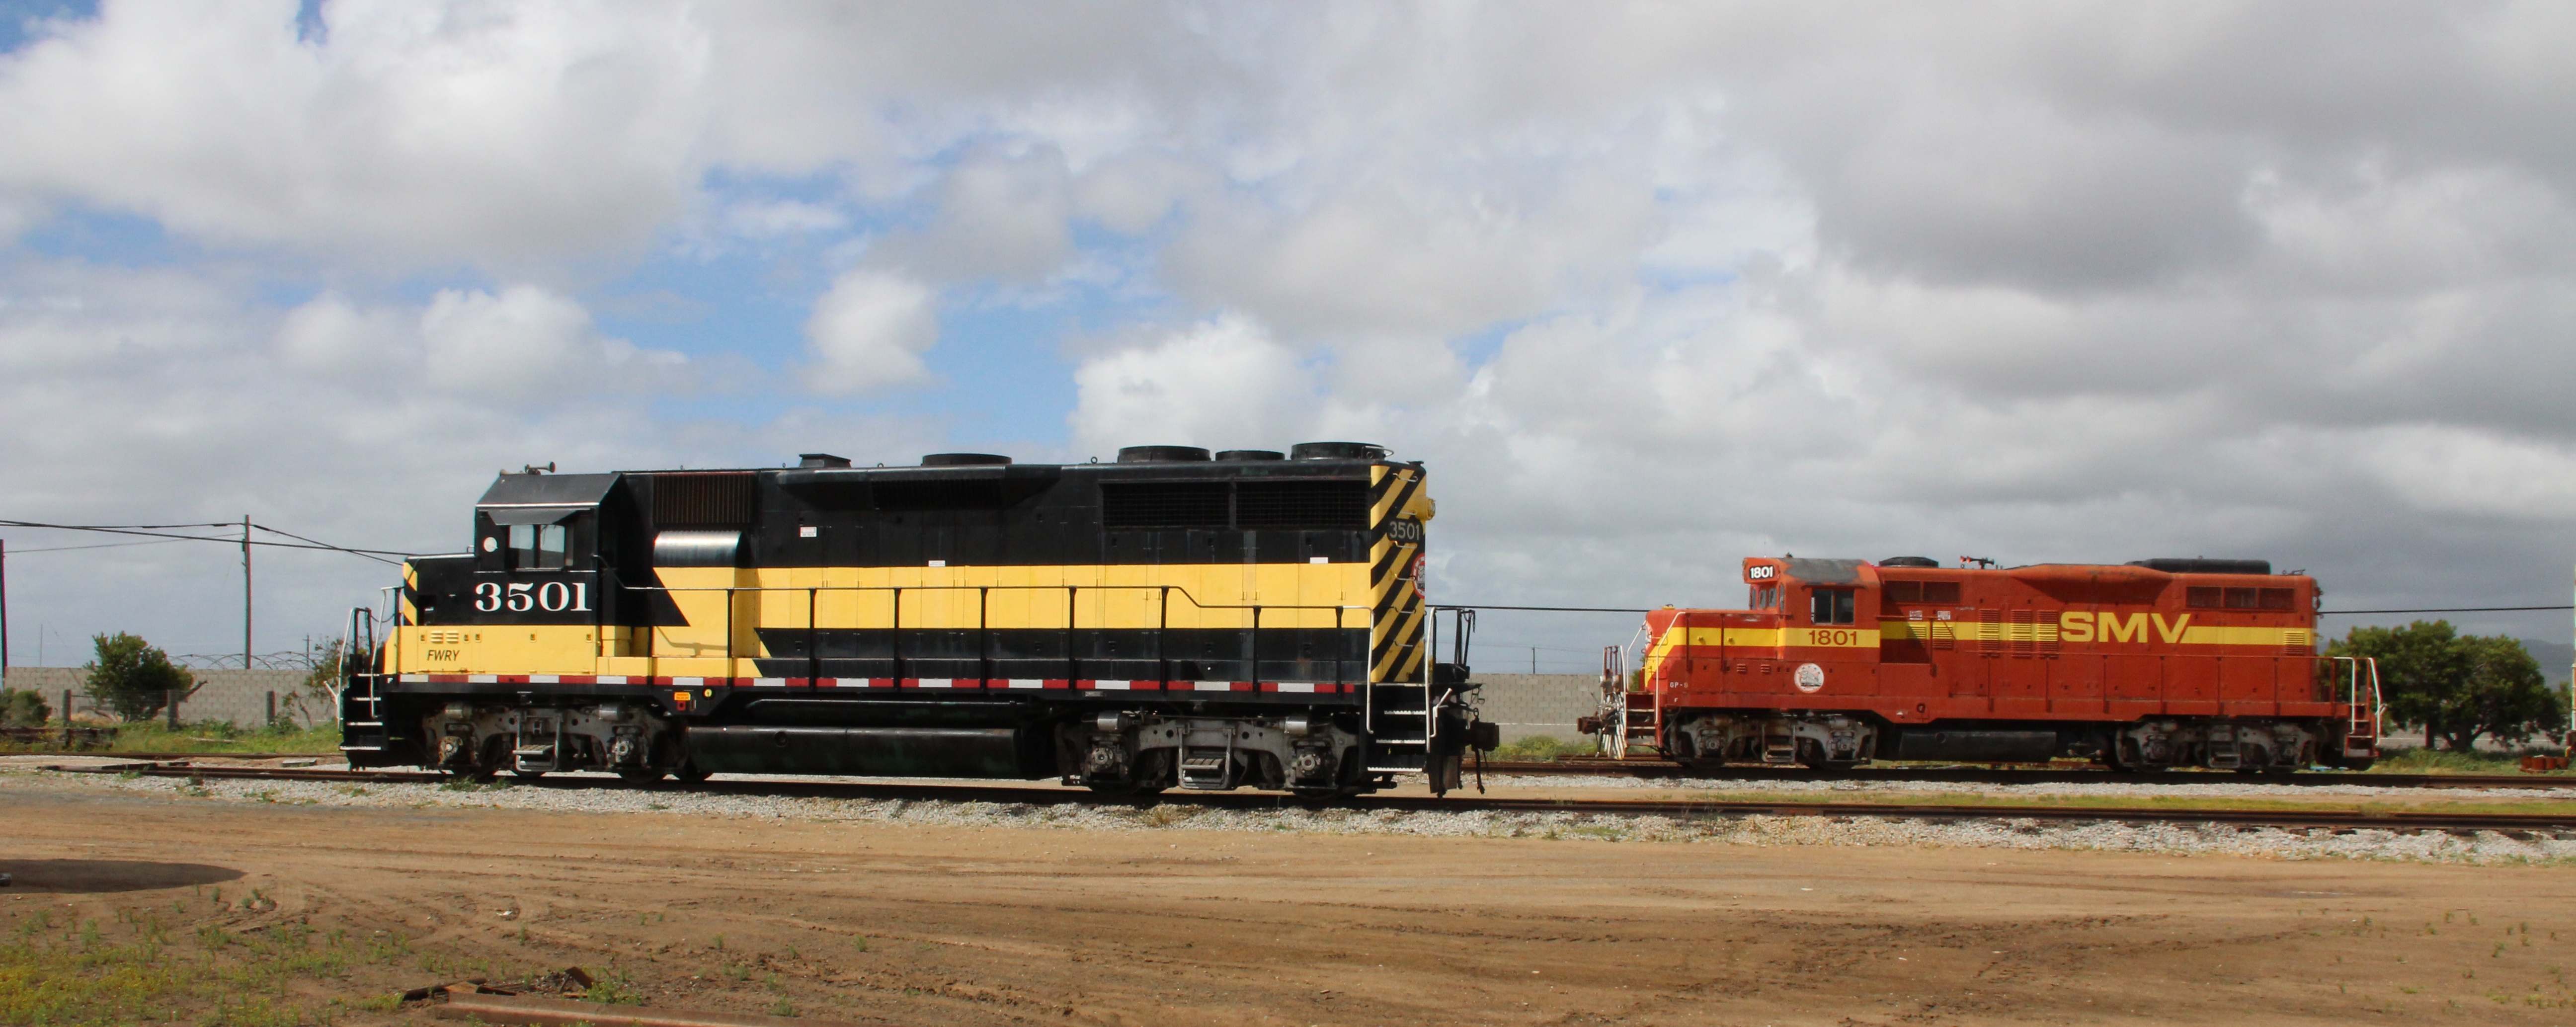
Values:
[(1650, 287)]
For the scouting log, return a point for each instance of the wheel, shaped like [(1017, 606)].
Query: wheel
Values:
[(1152, 774), (689, 773), (640, 776), (2123, 757), (526, 775)]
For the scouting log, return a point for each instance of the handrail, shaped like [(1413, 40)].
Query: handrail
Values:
[(1183, 590), (2361, 712)]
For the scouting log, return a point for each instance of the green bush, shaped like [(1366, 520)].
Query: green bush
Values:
[(23, 708)]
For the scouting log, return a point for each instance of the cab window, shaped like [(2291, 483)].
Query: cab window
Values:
[(540, 547), (1831, 605), (1765, 597)]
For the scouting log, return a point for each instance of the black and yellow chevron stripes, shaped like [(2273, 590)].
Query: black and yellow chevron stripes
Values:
[(406, 605), (1396, 613)]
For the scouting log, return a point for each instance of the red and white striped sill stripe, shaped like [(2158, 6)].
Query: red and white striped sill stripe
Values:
[(985, 684)]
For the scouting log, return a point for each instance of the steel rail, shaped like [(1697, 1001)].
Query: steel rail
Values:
[(1666, 769), (108, 754), (2333, 818)]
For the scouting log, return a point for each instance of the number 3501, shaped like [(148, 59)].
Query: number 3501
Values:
[(520, 597)]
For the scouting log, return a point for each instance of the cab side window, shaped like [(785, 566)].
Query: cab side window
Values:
[(1831, 605), (540, 547)]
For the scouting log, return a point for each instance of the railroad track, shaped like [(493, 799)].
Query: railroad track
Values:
[(2318, 817), (1667, 769)]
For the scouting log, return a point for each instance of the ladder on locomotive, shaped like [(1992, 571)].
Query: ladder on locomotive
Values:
[(1399, 726), (1401, 715), (2364, 709), (1634, 717), (362, 716)]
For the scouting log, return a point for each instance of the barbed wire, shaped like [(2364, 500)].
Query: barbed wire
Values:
[(292, 659)]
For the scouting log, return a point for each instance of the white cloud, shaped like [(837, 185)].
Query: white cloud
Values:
[(529, 342), (999, 215), (328, 334), (771, 219), (868, 333), (492, 133), (1219, 384)]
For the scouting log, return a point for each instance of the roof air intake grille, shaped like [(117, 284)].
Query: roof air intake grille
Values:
[(1165, 504), (721, 498)]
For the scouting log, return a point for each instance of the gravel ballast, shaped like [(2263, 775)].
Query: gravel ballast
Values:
[(2179, 838)]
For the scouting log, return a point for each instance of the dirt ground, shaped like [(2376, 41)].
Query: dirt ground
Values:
[(966, 926)]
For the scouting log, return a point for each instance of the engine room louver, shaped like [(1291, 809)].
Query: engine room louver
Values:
[(1166, 504), (1340, 505), (716, 499), (1314, 505), (983, 493)]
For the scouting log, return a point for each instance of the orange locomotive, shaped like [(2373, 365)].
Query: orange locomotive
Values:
[(2148, 665)]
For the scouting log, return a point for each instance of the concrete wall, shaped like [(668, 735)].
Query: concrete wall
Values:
[(1538, 704), (238, 697)]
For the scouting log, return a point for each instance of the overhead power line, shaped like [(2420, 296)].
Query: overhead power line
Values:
[(102, 545), (2452, 609), (164, 531), (1546, 609)]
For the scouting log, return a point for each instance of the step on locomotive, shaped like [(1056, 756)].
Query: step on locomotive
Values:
[(2150, 665), (1173, 619)]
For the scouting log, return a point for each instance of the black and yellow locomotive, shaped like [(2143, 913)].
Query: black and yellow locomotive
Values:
[(1175, 618)]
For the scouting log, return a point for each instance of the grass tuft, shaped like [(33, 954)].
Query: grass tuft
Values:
[(1541, 749), (2444, 761)]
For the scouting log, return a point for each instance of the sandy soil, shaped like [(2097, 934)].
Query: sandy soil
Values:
[(1002, 925)]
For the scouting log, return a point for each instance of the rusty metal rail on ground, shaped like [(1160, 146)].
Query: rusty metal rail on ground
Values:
[(2316, 817)]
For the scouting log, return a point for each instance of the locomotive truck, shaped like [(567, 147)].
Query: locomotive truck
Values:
[(2149, 665), (1174, 619)]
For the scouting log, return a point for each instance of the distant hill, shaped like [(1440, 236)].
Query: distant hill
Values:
[(2553, 656)]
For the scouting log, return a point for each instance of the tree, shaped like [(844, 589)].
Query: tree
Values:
[(2505, 696), (2460, 687), (131, 677)]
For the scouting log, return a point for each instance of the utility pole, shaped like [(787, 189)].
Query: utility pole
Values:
[(4, 610), (245, 591)]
